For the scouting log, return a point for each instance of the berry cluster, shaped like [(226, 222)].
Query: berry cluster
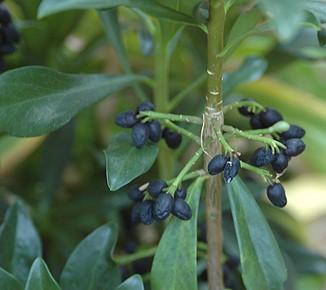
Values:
[(158, 204), (9, 36), (142, 131)]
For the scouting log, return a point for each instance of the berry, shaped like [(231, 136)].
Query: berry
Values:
[(256, 123), (140, 134), (155, 187), (10, 33), (172, 139), (135, 194), (181, 193), (163, 206), (294, 147), (276, 194), (262, 156), (7, 48), (146, 212), (231, 169), (294, 132), (5, 17), (145, 106), (281, 162), (269, 117), (217, 164), (155, 131), (126, 119), (233, 262), (244, 110), (135, 213), (181, 209)]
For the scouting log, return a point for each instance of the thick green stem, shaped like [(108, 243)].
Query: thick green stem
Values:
[(150, 115)]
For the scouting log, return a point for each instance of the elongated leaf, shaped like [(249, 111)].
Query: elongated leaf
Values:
[(317, 7), (262, 264), (48, 7), (19, 242), (8, 281), (135, 282), (37, 100), (90, 266), (125, 162), (40, 277), (174, 265)]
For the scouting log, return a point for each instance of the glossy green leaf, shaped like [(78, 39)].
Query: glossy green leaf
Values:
[(8, 281), (125, 162), (174, 265), (135, 282), (262, 263), (19, 242), (37, 100), (151, 7), (40, 277), (90, 266)]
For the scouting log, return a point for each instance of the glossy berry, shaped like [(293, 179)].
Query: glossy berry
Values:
[(244, 110), (140, 135), (181, 193), (155, 187), (146, 212), (172, 139), (155, 131), (145, 106), (135, 194), (163, 206), (181, 209), (5, 17), (269, 117), (126, 119), (294, 147), (276, 195), (135, 213), (294, 132), (217, 164), (262, 156), (255, 122), (231, 169), (280, 162)]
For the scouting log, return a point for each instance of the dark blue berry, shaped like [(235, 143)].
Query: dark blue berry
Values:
[(294, 147), (262, 156), (269, 117), (163, 206), (140, 134), (155, 187), (256, 123), (217, 164), (136, 194), (181, 209), (244, 110), (145, 106), (276, 194), (7, 48), (181, 193), (146, 212), (155, 131), (172, 139), (231, 169), (280, 163), (294, 132), (126, 119), (10, 33), (5, 17)]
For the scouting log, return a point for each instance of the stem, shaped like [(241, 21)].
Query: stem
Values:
[(252, 104), (127, 259), (182, 131), (227, 148), (150, 115), (265, 174), (214, 120)]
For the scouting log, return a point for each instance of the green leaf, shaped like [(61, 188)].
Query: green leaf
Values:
[(262, 264), (37, 100), (174, 265), (40, 277), (135, 282), (317, 7), (90, 266), (19, 242), (125, 162), (151, 7), (8, 281)]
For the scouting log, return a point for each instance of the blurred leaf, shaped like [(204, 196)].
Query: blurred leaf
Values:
[(125, 162), (19, 242), (261, 260), (37, 100), (133, 283), (8, 281), (311, 21), (90, 266), (317, 7), (175, 258), (40, 277), (310, 282)]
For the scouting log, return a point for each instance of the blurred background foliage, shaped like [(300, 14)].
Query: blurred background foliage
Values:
[(61, 176)]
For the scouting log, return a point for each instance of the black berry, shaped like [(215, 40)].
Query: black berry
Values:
[(146, 212), (244, 110), (145, 106), (181, 193), (155, 131), (269, 117), (231, 169), (276, 194), (262, 156), (217, 164), (5, 17), (155, 187), (140, 134), (126, 119), (294, 132), (256, 123), (163, 206), (172, 139), (294, 147), (280, 163), (135, 194), (181, 209), (7, 48), (10, 33)]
